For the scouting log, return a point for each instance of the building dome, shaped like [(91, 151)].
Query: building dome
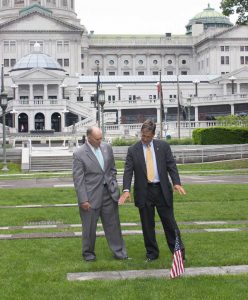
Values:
[(37, 59), (210, 18)]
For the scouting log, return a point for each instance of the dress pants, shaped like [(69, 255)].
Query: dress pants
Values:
[(108, 212), (156, 199)]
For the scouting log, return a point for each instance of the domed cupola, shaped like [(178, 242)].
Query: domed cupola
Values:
[(210, 18), (37, 59)]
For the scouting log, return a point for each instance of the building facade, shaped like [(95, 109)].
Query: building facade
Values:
[(51, 63)]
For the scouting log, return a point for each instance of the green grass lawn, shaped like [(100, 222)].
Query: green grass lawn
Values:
[(36, 269)]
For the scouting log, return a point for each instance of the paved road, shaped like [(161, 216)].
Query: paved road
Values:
[(67, 182)]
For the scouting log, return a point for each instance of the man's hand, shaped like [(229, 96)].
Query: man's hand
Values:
[(124, 197), (178, 188), (85, 206)]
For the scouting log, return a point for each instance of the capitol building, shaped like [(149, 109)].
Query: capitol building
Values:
[(53, 68)]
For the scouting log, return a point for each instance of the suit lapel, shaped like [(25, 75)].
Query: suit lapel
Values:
[(157, 154), (105, 155), (92, 156), (141, 158)]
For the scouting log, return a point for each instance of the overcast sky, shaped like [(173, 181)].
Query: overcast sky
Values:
[(139, 16)]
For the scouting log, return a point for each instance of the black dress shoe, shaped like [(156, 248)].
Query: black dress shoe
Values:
[(149, 259), (90, 259)]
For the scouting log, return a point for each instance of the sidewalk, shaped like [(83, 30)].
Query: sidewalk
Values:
[(161, 273)]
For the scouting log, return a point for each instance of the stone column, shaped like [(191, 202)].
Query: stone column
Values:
[(196, 114), (224, 89), (238, 88), (31, 92), (232, 109), (45, 97)]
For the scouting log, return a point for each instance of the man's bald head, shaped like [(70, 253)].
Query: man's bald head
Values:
[(94, 135)]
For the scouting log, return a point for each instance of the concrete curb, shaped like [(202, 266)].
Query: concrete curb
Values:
[(162, 273)]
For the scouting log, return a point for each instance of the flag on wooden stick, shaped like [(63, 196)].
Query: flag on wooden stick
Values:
[(177, 268)]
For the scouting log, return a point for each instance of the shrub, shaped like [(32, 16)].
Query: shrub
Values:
[(220, 135)]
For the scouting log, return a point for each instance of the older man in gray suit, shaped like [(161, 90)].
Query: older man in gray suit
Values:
[(94, 176)]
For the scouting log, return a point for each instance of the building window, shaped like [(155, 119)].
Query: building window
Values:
[(111, 62), (126, 62), (6, 63), (63, 46), (224, 60), (155, 73), (12, 62), (111, 73), (82, 56), (169, 72), (9, 46), (243, 48), (5, 3), (64, 2), (184, 72), (141, 73), (126, 73), (169, 62), (244, 60), (224, 48), (66, 46), (72, 4), (155, 62), (35, 1), (97, 62), (51, 3), (82, 65), (66, 62), (183, 62), (19, 3), (60, 61), (141, 62)]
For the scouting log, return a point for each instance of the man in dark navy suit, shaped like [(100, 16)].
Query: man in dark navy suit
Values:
[(151, 161)]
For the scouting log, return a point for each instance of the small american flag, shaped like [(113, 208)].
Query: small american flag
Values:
[(177, 265)]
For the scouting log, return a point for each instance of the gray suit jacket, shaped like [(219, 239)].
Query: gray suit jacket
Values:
[(89, 178)]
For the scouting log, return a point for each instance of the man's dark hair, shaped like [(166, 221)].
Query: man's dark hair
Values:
[(89, 131), (149, 125)]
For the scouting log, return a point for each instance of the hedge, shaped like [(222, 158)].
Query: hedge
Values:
[(220, 135)]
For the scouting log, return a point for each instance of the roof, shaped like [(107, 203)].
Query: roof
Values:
[(145, 79), (209, 15), (37, 60)]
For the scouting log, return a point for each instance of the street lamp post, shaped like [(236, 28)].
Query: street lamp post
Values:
[(189, 116), (232, 78), (196, 82), (3, 104), (63, 86), (79, 88), (14, 87), (101, 100), (119, 87)]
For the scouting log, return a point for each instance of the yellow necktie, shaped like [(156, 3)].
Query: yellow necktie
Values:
[(149, 164)]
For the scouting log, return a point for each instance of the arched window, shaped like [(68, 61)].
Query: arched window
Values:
[(19, 3), (23, 122), (39, 121)]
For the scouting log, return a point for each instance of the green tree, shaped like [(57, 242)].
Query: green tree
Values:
[(239, 7)]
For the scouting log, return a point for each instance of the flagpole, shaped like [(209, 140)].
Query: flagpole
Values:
[(178, 108), (161, 105), (97, 96)]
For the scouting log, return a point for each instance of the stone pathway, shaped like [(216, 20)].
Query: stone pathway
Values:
[(161, 273), (38, 235)]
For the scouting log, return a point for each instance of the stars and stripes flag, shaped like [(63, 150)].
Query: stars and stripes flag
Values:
[(177, 265)]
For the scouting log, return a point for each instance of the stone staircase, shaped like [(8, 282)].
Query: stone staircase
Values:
[(50, 163)]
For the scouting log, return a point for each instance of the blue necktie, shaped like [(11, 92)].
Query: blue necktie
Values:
[(99, 157)]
